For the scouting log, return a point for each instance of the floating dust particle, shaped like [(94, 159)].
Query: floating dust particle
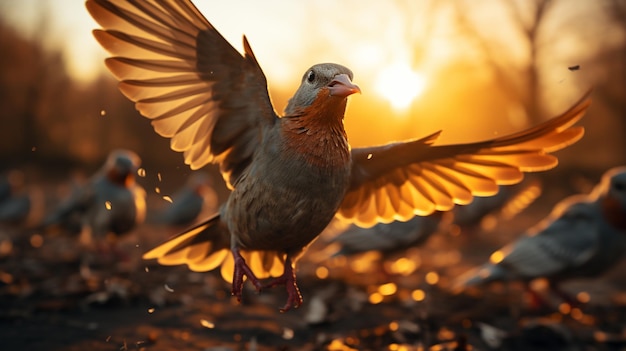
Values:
[(107, 205), (108, 338), (207, 324), (103, 113), (147, 269), (168, 199), (157, 190), (141, 172), (393, 326), (167, 288), (33, 149), (151, 310), (36, 240), (159, 176), (369, 156)]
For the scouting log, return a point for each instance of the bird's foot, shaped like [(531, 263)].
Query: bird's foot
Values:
[(288, 279), (241, 270)]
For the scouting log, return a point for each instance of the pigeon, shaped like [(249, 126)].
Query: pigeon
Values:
[(188, 202), (389, 238), (583, 236), (289, 175), (111, 202)]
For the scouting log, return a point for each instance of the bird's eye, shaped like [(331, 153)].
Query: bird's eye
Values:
[(310, 77), (619, 186)]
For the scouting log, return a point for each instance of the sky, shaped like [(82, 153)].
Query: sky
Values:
[(395, 48)]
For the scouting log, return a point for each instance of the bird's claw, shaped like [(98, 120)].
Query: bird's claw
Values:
[(288, 279), (241, 270)]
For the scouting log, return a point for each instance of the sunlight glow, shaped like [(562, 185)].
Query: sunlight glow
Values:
[(400, 85)]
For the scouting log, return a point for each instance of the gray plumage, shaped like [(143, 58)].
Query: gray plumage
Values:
[(387, 238), (110, 202), (188, 202), (584, 236)]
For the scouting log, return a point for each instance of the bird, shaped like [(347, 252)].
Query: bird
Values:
[(188, 202), (289, 174), (111, 202), (387, 238), (583, 236), (509, 201)]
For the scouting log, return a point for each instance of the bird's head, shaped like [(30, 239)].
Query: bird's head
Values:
[(121, 166), (326, 85), (611, 193)]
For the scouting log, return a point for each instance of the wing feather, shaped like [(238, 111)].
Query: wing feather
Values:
[(427, 178), (184, 76)]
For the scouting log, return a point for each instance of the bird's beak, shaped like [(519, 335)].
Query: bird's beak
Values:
[(341, 86)]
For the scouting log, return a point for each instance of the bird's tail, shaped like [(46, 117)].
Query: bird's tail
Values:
[(206, 246), (479, 276)]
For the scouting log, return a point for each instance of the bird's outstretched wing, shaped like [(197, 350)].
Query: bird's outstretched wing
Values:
[(184, 76), (400, 180)]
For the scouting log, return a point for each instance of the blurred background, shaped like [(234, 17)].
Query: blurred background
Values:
[(475, 69)]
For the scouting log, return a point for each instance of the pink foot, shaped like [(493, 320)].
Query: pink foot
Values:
[(241, 269), (288, 279)]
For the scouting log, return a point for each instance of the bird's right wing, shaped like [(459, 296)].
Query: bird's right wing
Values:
[(187, 79)]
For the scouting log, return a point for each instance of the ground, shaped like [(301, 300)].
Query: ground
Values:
[(55, 296)]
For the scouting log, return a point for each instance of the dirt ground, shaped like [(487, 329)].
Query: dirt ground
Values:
[(55, 296)]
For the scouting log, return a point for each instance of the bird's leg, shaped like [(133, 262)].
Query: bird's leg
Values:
[(241, 269), (288, 279)]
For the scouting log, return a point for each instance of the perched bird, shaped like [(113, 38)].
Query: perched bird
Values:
[(195, 197), (289, 175), (110, 202), (584, 236), (387, 238)]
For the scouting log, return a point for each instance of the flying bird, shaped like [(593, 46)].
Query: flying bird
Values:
[(110, 202), (290, 175), (584, 236)]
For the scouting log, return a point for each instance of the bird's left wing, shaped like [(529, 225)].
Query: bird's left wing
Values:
[(400, 180), (187, 79)]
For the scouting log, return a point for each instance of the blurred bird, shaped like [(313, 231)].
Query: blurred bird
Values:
[(289, 175), (509, 201), (195, 197), (388, 238), (110, 203), (19, 204), (584, 236)]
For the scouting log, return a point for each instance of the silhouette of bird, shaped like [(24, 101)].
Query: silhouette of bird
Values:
[(584, 236), (289, 175), (110, 202), (195, 197)]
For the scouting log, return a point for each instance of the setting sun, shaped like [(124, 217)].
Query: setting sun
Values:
[(400, 85)]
